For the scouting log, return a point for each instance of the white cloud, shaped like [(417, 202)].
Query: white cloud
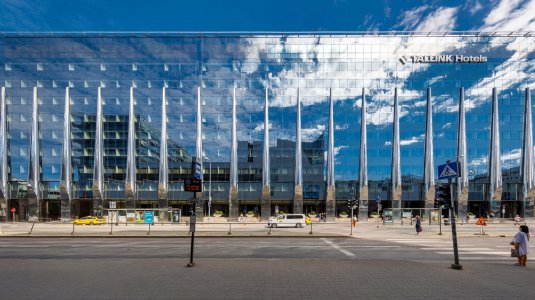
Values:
[(338, 149), (311, 134), (442, 20), (412, 140), (481, 161), (473, 6), (511, 15), (514, 155), (260, 126), (412, 17)]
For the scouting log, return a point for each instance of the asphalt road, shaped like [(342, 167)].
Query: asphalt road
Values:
[(260, 268)]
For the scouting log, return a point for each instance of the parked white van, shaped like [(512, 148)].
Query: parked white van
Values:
[(287, 220)]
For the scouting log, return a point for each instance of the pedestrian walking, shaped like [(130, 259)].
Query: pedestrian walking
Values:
[(517, 220), (240, 218), (521, 243), (418, 225)]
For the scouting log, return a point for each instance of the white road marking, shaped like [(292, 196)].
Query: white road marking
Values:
[(370, 246), (475, 252), (486, 258), (422, 242), (460, 249), (414, 239), (338, 247)]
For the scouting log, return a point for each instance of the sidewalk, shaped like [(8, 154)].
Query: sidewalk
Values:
[(371, 230)]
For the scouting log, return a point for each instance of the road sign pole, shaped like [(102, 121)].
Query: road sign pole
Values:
[(456, 265), (440, 219), (192, 230), (351, 223)]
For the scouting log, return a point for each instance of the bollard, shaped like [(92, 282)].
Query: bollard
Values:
[(32, 228), (229, 229), (310, 233), (73, 228)]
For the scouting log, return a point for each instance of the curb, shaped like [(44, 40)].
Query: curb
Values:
[(170, 236)]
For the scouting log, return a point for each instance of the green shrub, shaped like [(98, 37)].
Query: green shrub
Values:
[(312, 213), (343, 213)]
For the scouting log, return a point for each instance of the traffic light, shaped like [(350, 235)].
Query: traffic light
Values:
[(353, 203), (444, 196)]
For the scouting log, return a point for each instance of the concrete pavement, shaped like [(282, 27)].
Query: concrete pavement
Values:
[(370, 230), (235, 268)]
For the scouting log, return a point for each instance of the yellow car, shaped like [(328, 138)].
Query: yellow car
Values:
[(90, 221)]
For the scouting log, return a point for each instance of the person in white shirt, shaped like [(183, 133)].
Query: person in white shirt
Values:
[(521, 243)]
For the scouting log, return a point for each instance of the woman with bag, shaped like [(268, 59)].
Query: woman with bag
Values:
[(418, 225), (521, 243)]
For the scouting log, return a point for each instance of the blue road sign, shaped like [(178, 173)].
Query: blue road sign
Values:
[(449, 170), (197, 173), (148, 217)]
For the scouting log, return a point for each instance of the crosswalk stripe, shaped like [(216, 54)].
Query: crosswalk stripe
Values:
[(486, 258), (475, 252), (338, 247), (370, 246), (460, 249)]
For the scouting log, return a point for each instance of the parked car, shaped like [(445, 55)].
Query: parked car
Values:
[(90, 221), (287, 220)]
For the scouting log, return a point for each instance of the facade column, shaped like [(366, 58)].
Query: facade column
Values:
[(65, 185), (298, 185), (4, 192), (233, 191), (265, 211), (199, 154), (130, 182), (34, 179), (462, 181), (494, 192), (98, 165), (331, 187), (429, 166), (528, 176), (395, 185), (363, 164), (163, 174)]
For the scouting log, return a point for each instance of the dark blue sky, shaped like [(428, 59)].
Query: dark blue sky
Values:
[(273, 15)]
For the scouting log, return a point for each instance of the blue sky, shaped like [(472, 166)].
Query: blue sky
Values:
[(273, 15)]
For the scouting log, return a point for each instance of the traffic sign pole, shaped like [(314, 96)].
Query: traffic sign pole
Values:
[(456, 265), (351, 223)]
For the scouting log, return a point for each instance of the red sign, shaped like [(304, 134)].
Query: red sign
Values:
[(193, 185), (13, 209)]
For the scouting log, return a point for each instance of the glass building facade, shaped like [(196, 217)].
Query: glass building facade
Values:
[(277, 121)]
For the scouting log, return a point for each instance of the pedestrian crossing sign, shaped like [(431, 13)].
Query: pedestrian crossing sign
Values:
[(449, 170)]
